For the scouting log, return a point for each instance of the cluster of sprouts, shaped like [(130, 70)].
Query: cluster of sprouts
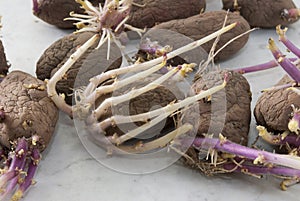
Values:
[(222, 154), (109, 21), (18, 167), (85, 106), (290, 136)]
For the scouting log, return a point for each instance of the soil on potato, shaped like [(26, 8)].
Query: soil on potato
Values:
[(265, 14), (273, 108), (199, 26), (28, 111), (3, 63), (91, 63)]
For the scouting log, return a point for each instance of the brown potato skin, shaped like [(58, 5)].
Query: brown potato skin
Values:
[(3, 63), (21, 105), (145, 13), (55, 11), (91, 63), (199, 26), (234, 101), (157, 11), (273, 109), (265, 14)]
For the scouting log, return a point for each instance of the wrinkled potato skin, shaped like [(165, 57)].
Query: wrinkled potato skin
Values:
[(91, 63), (3, 63), (265, 14), (201, 25), (234, 102), (273, 109), (22, 105), (55, 11), (152, 12)]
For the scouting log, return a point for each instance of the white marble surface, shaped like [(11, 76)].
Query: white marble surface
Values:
[(68, 172)]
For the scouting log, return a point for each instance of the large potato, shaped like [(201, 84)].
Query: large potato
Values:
[(201, 25), (266, 13), (27, 109)]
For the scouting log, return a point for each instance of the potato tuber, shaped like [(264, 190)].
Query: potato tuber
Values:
[(201, 25), (228, 111), (55, 11), (28, 119), (27, 109), (273, 109), (265, 14), (93, 62)]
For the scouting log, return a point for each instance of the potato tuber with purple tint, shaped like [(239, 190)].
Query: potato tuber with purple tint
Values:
[(265, 14), (201, 25), (55, 11), (28, 120)]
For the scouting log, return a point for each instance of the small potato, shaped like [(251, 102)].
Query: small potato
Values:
[(201, 25), (266, 13)]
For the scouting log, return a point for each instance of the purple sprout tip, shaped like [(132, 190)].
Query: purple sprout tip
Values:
[(36, 6)]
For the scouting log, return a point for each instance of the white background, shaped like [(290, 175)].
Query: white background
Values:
[(68, 172)]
